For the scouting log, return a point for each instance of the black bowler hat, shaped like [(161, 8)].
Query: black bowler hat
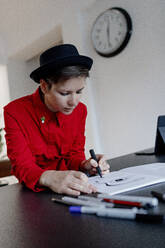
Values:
[(58, 57)]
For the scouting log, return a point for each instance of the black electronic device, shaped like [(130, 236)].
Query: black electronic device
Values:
[(160, 136), (159, 148)]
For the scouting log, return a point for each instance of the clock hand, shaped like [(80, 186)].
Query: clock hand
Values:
[(108, 32)]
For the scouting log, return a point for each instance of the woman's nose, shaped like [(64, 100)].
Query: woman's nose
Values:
[(73, 100)]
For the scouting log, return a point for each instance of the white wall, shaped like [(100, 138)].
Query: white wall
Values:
[(125, 93), (4, 92), (129, 89)]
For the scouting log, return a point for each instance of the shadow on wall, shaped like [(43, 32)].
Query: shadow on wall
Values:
[(26, 60), (20, 83)]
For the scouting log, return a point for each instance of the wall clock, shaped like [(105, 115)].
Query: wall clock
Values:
[(111, 31)]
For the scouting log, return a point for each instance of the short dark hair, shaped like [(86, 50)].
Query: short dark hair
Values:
[(65, 74)]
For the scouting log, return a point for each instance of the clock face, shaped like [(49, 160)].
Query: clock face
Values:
[(111, 32)]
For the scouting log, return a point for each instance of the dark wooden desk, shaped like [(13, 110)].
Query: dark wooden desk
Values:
[(31, 220), (5, 168)]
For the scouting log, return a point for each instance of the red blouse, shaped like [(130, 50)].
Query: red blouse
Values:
[(38, 139)]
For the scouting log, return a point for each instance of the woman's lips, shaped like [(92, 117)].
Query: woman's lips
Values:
[(68, 109)]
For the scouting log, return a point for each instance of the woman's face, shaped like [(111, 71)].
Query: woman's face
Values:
[(63, 96)]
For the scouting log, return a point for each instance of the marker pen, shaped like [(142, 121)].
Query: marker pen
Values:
[(85, 210), (93, 156), (124, 202), (145, 201), (119, 213), (116, 202), (116, 212), (75, 201), (130, 214)]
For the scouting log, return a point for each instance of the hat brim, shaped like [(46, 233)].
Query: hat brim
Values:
[(57, 64)]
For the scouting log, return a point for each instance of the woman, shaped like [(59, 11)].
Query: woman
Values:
[(45, 131)]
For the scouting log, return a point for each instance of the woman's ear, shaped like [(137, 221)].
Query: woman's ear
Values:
[(43, 86)]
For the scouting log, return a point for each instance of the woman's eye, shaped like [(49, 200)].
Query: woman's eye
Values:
[(63, 93), (67, 93), (79, 92)]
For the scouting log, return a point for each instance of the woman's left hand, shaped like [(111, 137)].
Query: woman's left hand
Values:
[(90, 165)]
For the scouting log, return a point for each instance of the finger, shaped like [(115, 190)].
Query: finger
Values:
[(94, 170), (92, 173), (85, 188), (64, 189), (73, 192), (104, 165), (105, 172), (80, 175), (93, 163), (93, 188), (79, 184), (100, 157), (103, 162)]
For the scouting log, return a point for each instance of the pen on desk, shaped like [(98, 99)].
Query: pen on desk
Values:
[(127, 201), (130, 214), (83, 209), (158, 195), (146, 201), (93, 156), (75, 201)]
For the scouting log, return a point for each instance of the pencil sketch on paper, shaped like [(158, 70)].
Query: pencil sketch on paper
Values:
[(118, 180), (129, 178)]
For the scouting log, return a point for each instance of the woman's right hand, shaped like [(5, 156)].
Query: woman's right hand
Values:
[(66, 182)]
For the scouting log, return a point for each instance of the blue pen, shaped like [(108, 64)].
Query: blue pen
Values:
[(93, 156), (83, 209)]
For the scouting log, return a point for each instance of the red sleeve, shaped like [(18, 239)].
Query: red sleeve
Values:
[(22, 160), (77, 153)]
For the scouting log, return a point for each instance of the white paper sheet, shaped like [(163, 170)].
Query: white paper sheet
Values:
[(129, 178)]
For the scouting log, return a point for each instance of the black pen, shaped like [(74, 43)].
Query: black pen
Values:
[(93, 156), (158, 195)]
